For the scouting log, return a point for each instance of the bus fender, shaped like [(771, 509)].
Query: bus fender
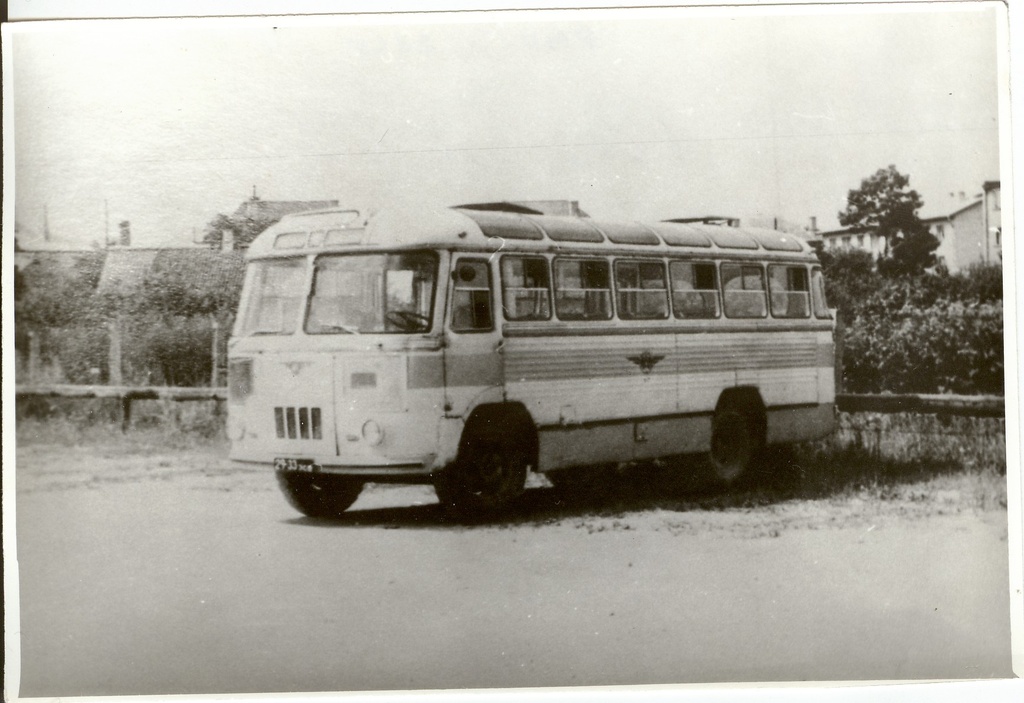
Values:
[(487, 396), (507, 419), (449, 434), (452, 426), (748, 400)]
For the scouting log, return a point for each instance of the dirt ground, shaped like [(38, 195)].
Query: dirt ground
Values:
[(158, 571)]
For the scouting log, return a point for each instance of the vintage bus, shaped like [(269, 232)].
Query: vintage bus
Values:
[(465, 347)]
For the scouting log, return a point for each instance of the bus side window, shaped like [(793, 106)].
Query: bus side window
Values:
[(743, 290), (789, 291), (583, 289), (526, 288), (694, 290), (818, 299), (642, 292), (471, 297)]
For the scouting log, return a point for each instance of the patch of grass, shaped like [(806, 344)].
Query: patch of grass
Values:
[(69, 432), (97, 422), (915, 464), (852, 472)]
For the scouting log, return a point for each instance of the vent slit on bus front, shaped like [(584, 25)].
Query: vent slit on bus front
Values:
[(298, 423)]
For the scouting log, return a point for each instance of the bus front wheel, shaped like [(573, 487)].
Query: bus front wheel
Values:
[(734, 445), (318, 495), (489, 473)]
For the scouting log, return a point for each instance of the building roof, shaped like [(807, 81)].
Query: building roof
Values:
[(968, 206), (127, 267), (276, 209), (65, 259), (203, 267), (953, 206)]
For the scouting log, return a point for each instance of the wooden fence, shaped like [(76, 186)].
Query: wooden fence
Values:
[(970, 406)]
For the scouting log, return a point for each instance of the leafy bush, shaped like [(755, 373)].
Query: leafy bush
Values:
[(947, 348), (58, 292), (168, 350), (165, 313), (81, 352), (935, 333)]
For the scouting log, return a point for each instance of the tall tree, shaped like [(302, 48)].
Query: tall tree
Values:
[(886, 203), (243, 229)]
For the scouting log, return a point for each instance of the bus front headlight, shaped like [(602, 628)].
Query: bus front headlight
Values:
[(373, 433)]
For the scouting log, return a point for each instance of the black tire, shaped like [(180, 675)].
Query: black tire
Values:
[(735, 444), (488, 475), (319, 495)]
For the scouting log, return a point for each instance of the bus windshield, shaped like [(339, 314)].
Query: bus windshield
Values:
[(276, 296), (372, 293)]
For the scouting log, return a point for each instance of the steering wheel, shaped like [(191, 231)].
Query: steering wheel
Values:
[(408, 321)]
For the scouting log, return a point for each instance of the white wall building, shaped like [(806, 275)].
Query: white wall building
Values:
[(972, 232), (863, 238)]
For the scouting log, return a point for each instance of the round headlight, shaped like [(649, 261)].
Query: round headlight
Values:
[(373, 433)]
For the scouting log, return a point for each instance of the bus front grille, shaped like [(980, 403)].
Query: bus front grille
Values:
[(298, 423)]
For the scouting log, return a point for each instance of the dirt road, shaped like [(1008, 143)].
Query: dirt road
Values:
[(177, 572)]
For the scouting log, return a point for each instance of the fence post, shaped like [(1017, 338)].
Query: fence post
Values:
[(114, 357), (215, 353), (839, 333), (33, 356)]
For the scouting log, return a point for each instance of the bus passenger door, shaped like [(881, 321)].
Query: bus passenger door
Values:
[(473, 360)]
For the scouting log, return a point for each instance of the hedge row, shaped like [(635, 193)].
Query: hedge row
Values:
[(155, 351), (933, 333), (949, 347)]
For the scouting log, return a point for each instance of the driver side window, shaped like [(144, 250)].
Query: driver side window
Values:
[(471, 296)]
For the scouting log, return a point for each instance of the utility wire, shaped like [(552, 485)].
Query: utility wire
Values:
[(523, 147)]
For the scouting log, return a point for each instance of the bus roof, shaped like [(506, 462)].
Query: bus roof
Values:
[(460, 228)]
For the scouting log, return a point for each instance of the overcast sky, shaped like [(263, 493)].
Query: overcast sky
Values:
[(167, 123)]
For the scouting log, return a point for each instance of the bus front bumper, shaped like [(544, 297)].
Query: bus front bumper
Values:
[(408, 472)]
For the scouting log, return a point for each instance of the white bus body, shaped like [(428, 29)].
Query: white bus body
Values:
[(465, 347)]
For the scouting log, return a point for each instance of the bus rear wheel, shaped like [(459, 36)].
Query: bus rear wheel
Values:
[(319, 495), (734, 446), (488, 475)]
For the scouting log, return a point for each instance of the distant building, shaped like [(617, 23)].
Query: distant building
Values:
[(968, 231), (256, 208), (62, 258), (972, 232), (254, 215), (863, 238), (776, 223), (125, 268)]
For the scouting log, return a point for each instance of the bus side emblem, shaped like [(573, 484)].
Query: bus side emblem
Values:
[(296, 366), (646, 361)]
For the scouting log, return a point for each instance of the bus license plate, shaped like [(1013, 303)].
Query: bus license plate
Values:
[(291, 464)]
